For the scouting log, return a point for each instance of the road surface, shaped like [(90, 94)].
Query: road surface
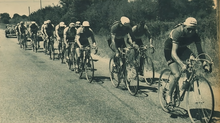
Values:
[(35, 89)]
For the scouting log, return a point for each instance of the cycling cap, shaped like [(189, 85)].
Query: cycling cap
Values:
[(48, 21), (78, 23), (21, 22), (85, 23), (125, 21), (45, 22), (190, 21), (62, 24), (71, 24)]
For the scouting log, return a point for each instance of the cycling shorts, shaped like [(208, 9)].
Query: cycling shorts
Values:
[(183, 53), (119, 43)]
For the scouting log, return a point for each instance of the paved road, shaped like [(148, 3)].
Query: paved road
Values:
[(35, 89)]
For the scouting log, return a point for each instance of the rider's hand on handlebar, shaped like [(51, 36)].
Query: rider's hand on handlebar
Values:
[(207, 67), (184, 67), (152, 47)]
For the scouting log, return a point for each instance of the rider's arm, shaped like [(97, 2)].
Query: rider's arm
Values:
[(77, 37), (148, 34), (64, 35), (92, 37), (56, 31)]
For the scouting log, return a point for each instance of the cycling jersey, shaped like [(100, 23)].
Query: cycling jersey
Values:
[(49, 28), (22, 29), (178, 36), (70, 34), (34, 28), (60, 30), (119, 30), (83, 35)]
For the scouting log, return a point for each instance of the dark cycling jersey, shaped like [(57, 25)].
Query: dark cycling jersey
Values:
[(22, 29), (70, 34), (49, 28), (119, 30), (33, 28), (178, 36), (84, 35), (60, 30)]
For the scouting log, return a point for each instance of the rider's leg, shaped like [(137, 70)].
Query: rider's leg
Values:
[(78, 54)]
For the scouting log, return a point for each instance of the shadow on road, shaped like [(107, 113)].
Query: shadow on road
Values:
[(100, 79), (199, 117)]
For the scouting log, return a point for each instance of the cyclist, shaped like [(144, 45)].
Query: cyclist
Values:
[(23, 33), (43, 34), (78, 24), (49, 33), (138, 32), (59, 29), (33, 31), (120, 33), (69, 40), (17, 32), (176, 50), (83, 33)]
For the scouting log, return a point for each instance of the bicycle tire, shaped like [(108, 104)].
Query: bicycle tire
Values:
[(200, 100), (149, 72), (89, 69), (163, 88), (131, 77), (113, 74)]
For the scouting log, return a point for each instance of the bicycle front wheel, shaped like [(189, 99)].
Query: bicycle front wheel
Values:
[(200, 101), (113, 70), (132, 79), (148, 71), (163, 87), (89, 69)]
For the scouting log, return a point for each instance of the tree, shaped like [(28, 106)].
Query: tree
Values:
[(5, 17)]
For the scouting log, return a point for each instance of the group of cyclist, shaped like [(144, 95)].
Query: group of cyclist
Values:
[(75, 36), (175, 47), (71, 38)]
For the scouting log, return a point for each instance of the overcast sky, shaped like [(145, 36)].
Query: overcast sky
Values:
[(21, 6)]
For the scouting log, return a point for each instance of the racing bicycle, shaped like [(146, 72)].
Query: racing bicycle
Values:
[(198, 91), (86, 64), (124, 69), (147, 68)]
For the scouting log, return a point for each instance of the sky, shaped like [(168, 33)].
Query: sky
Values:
[(21, 7)]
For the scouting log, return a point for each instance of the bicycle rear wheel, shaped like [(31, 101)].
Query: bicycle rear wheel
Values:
[(132, 79), (148, 70), (200, 101), (113, 70), (163, 87), (89, 69)]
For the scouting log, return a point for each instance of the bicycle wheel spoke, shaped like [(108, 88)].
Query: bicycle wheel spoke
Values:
[(113, 71), (163, 87), (148, 71), (200, 101), (89, 69), (132, 80)]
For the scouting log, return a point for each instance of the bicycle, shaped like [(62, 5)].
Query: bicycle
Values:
[(148, 65), (34, 42), (23, 41), (61, 46), (199, 94), (124, 68), (50, 47), (86, 64), (72, 55)]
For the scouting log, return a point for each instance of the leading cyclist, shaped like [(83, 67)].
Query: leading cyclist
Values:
[(23, 34), (49, 34), (82, 35), (176, 50)]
